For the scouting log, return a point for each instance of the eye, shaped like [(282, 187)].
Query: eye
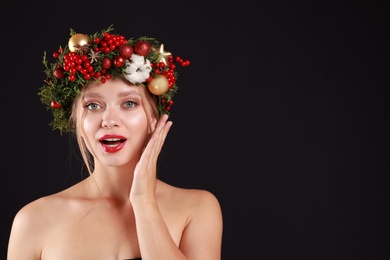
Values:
[(130, 104), (92, 106)]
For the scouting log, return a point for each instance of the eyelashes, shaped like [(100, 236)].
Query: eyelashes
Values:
[(95, 106), (92, 106), (130, 104)]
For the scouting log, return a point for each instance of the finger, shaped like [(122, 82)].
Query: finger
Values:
[(153, 147), (161, 135)]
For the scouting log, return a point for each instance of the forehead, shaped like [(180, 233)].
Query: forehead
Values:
[(113, 86)]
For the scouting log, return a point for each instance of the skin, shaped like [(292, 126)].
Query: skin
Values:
[(122, 210)]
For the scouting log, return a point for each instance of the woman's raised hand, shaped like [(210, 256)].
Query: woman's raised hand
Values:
[(144, 180)]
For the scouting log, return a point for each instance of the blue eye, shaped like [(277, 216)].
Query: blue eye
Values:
[(92, 106), (130, 104)]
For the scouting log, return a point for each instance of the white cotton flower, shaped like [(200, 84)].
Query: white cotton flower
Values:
[(137, 59), (137, 69)]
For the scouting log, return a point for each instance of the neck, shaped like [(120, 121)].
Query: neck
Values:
[(111, 182)]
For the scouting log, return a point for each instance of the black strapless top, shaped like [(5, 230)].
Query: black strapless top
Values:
[(134, 259)]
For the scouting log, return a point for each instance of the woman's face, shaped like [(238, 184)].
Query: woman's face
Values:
[(115, 125)]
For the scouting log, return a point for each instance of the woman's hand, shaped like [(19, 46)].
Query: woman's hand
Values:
[(144, 180)]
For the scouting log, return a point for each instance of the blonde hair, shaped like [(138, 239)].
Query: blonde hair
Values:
[(149, 104)]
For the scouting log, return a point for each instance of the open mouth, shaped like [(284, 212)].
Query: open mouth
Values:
[(112, 145), (112, 141)]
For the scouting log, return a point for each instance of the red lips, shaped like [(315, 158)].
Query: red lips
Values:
[(112, 143)]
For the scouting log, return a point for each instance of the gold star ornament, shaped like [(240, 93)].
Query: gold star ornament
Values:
[(164, 55)]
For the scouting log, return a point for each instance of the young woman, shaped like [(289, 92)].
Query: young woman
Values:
[(120, 118)]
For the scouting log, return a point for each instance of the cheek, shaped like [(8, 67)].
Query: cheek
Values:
[(90, 123), (89, 127), (137, 125)]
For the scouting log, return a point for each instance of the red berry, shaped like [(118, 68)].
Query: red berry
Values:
[(55, 104)]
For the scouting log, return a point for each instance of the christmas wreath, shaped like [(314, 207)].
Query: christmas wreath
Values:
[(100, 57)]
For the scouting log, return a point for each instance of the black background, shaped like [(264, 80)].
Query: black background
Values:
[(283, 115)]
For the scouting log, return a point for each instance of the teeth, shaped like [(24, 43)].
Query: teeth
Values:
[(112, 139)]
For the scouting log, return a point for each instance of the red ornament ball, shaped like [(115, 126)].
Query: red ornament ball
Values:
[(125, 50), (142, 48), (58, 73), (106, 63), (119, 61)]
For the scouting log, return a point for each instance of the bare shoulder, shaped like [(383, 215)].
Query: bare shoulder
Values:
[(198, 205), (40, 215), (36, 214), (191, 197), (30, 226), (202, 230)]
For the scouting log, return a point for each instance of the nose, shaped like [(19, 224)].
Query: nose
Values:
[(110, 118)]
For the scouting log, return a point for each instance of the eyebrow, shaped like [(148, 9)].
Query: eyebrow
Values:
[(128, 93), (120, 94)]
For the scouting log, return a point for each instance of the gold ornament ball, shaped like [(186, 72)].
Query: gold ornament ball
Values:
[(158, 85), (77, 41)]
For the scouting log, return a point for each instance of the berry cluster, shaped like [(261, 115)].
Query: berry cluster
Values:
[(79, 61), (169, 72)]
